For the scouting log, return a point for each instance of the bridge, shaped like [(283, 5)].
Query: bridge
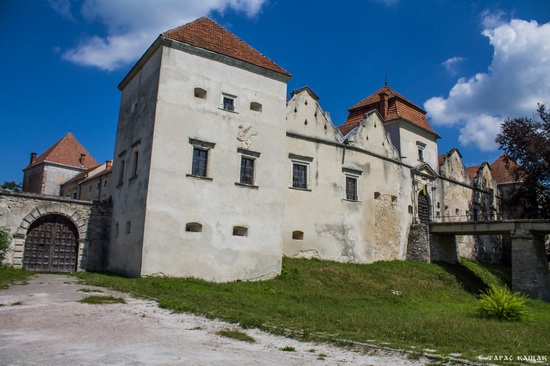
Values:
[(530, 273)]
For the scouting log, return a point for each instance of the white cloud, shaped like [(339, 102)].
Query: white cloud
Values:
[(451, 64), (517, 79), (492, 19), (132, 27)]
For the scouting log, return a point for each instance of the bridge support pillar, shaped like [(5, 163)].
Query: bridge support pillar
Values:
[(443, 248), (530, 274)]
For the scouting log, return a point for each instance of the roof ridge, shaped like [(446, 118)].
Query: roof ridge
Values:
[(67, 151), (207, 34)]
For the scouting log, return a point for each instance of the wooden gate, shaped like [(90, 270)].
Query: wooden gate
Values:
[(51, 245), (423, 207)]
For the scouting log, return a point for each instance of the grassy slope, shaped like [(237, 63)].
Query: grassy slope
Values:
[(10, 275), (435, 308)]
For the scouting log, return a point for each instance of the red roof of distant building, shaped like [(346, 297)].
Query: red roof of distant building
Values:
[(209, 35), (472, 171), (501, 173), (398, 107), (67, 151)]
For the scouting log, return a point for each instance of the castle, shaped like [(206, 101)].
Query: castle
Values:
[(216, 175)]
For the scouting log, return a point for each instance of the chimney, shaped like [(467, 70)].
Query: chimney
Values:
[(33, 157), (82, 156), (108, 164), (383, 108)]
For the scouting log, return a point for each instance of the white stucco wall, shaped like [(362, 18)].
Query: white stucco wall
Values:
[(175, 198)]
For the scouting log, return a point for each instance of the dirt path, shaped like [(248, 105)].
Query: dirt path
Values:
[(42, 323)]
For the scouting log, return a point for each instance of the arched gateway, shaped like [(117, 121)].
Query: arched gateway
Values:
[(51, 245)]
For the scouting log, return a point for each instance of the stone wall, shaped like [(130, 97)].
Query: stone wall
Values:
[(19, 210)]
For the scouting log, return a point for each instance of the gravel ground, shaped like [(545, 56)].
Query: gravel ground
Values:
[(42, 323)]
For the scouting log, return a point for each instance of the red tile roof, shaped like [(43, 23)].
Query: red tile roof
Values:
[(67, 151), (398, 107), (209, 35), (501, 173), (441, 159), (472, 171)]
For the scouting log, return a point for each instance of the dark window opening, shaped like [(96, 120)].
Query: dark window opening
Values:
[(228, 104), (240, 231), (298, 235), (351, 188), (299, 176), (247, 171), (200, 160), (193, 227)]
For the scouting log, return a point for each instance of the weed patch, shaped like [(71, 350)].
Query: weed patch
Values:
[(100, 300), (235, 334), (288, 349)]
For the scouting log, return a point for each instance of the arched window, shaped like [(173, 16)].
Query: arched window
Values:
[(298, 235)]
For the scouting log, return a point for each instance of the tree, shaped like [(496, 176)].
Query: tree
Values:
[(527, 142), (5, 239), (11, 186)]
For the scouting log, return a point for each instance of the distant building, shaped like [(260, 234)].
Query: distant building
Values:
[(91, 185), (62, 161)]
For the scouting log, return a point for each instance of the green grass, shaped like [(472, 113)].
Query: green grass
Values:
[(10, 275), (100, 300), (235, 334), (397, 304)]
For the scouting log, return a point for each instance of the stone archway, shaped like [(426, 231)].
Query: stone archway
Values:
[(51, 245), (51, 238)]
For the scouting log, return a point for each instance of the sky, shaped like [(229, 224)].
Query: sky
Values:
[(468, 64)]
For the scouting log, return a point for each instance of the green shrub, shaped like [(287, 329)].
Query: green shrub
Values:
[(500, 303), (5, 239)]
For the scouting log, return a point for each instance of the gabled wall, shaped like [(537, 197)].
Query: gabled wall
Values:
[(319, 220)]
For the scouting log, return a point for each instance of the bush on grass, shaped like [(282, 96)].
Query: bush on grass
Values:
[(501, 304)]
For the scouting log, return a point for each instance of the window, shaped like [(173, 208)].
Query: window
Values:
[(240, 231), (128, 227), (297, 235), (98, 186), (121, 158), (420, 146), (105, 183), (74, 195), (351, 188), (228, 102), (255, 106), (299, 175), (352, 183), (247, 170), (136, 157), (200, 161), (300, 171), (200, 93), (193, 227), (199, 164), (89, 188)]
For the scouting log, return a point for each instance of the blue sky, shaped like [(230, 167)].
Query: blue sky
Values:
[(470, 64)]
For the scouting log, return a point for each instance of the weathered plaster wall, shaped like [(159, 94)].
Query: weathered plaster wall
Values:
[(368, 229), (19, 210)]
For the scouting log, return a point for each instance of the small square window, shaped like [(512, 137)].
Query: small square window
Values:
[(228, 104), (420, 147), (200, 162)]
